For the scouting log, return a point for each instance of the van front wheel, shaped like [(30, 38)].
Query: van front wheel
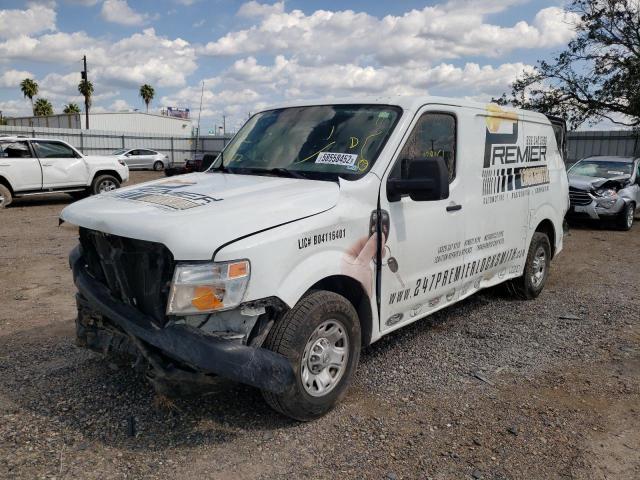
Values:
[(320, 336), (536, 269)]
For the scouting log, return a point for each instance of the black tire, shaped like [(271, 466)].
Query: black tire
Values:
[(158, 166), (290, 337), (106, 182), (529, 285), (625, 220), (5, 196)]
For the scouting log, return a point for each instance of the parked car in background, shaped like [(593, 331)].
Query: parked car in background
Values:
[(605, 188), (143, 158), (32, 166)]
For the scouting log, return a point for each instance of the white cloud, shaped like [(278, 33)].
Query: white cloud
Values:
[(35, 19), (120, 105), (119, 11), (15, 108), (257, 9), (12, 78), (84, 3), (446, 31), (140, 58)]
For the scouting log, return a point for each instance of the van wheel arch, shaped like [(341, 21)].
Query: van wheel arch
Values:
[(353, 291), (546, 227)]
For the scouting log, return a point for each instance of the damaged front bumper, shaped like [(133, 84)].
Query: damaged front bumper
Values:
[(599, 208), (195, 354)]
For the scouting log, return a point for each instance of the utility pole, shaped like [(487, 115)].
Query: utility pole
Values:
[(224, 125), (199, 112), (86, 99)]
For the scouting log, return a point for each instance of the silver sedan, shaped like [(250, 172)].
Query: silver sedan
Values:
[(142, 158)]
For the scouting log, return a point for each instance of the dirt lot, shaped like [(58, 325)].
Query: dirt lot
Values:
[(491, 388)]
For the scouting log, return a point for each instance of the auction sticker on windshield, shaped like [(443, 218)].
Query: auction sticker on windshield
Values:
[(341, 159)]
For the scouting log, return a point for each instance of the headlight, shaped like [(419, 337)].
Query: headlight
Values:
[(208, 287), (607, 192)]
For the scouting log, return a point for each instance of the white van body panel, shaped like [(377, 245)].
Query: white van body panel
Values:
[(216, 209), (298, 232)]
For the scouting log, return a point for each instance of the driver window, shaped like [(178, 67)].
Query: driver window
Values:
[(53, 150), (433, 136)]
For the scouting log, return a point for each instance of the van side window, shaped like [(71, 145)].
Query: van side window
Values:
[(433, 136)]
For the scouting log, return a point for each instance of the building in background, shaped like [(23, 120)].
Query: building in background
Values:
[(125, 122)]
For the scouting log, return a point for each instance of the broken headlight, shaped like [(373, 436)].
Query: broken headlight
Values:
[(208, 287), (607, 193)]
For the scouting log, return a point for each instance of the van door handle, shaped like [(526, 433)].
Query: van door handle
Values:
[(453, 208)]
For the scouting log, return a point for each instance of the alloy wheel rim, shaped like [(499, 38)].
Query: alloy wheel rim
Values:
[(539, 267), (106, 186), (630, 214), (325, 358)]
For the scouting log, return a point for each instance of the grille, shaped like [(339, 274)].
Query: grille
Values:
[(579, 197), (137, 272)]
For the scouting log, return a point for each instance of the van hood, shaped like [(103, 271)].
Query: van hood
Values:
[(194, 214)]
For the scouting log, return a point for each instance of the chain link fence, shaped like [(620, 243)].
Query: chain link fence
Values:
[(99, 142)]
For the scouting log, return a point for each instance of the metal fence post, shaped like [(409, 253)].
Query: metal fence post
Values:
[(173, 159), (122, 141), (81, 142)]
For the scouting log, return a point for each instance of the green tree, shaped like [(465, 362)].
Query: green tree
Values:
[(597, 76), (71, 108), (147, 92), (85, 87), (29, 89), (42, 108)]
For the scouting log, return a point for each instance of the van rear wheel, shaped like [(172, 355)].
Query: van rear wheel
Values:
[(320, 336), (536, 269)]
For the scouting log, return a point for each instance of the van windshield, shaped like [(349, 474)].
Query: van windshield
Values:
[(322, 142)]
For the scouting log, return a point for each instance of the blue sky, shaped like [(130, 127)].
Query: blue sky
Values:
[(252, 54)]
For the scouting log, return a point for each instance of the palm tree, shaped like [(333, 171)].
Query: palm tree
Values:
[(42, 108), (147, 92), (29, 89), (71, 108), (85, 87)]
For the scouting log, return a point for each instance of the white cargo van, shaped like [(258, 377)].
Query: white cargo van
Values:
[(319, 229)]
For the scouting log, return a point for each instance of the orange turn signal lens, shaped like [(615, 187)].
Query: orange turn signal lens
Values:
[(239, 269), (205, 298)]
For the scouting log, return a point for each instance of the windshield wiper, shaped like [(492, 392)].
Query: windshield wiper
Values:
[(286, 172)]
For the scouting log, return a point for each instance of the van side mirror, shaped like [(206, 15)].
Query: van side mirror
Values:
[(426, 180)]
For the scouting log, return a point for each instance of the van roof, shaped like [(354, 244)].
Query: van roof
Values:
[(411, 103)]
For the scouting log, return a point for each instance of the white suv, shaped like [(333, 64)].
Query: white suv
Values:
[(32, 166)]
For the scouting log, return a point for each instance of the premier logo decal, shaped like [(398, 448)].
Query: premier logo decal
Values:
[(505, 161), (167, 196)]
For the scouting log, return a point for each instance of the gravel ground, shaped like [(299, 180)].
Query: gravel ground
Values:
[(491, 388)]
